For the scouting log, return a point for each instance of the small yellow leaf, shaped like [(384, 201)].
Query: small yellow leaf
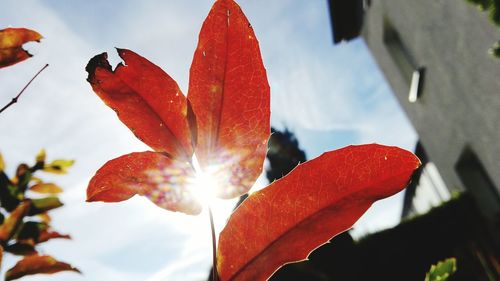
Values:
[(41, 205), (36, 180), (59, 166), (46, 188), (2, 163), (44, 217), (40, 157)]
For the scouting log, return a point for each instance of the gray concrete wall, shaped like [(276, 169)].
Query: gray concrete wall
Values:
[(460, 101)]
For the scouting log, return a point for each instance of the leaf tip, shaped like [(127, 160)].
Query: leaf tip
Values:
[(124, 54), (102, 190), (92, 195), (121, 51)]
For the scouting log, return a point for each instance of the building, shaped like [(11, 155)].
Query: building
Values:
[(433, 54)]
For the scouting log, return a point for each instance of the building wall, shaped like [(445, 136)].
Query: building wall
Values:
[(459, 104)]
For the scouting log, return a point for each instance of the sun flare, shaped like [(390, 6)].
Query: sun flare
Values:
[(204, 185)]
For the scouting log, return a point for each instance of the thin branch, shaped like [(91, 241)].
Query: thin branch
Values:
[(14, 100), (215, 276)]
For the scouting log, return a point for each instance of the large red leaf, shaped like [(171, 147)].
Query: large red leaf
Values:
[(163, 180), (229, 93), (146, 99), (11, 42), (37, 264), (319, 199)]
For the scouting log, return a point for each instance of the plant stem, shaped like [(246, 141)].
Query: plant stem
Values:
[(14, 99), (215, 276)]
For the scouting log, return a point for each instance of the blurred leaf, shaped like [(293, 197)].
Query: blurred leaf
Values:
[(14, 221), (36, 180), (481, 4), (21, 249), (31, 230), (494, 12), (442, 270), (59, 166), (2, 163), (15, 192), (18, 234), (7, 199), (40, 157), (5, 194), (4, 180), (46, 235), (44, 217), (23, 176), (49, 188), (44, 204), (35, 264), (1, 256), (317, 200), (495, 50), (11, 42)]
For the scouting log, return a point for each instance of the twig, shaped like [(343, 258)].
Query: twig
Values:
[(215, 276), (14, 100)]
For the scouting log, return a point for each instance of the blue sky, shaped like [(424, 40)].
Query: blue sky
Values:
[(330, 96)]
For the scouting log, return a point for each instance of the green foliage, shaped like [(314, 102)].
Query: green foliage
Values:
[(492, 7), (24, 221), (442, 270), (495, 50), (482, 5)]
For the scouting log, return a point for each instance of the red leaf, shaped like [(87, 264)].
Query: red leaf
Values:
[(37, 264), (11, 42), (146, 99), (46, 235), (1, 255), (163, 180), (229, 94), (319, 199)]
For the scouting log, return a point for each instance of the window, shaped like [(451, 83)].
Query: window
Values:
[(412, 73), (431, 190), (478, 183), (417, 79), (427, 188)]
